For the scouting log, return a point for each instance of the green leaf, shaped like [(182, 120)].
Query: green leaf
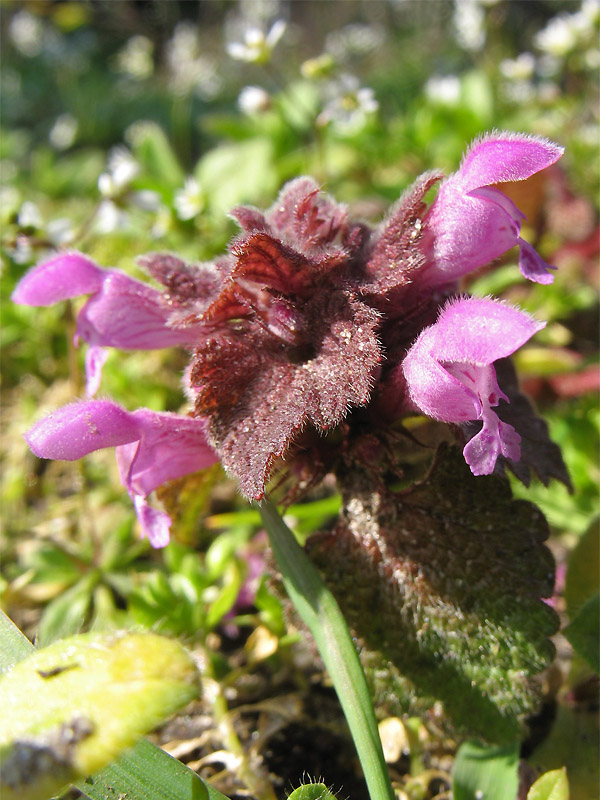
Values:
[(573, 743), (154, 152), (552, 785), (583, 578), (226, 597), (482, 772), (582, 633), (443, 583), (14, 646), (66, 614), (242, 172), (70, 708), (147, 773), (312, 791)]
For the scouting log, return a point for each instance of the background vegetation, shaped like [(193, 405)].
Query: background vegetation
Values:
[(128, 127)]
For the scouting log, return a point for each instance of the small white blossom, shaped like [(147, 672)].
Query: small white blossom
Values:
[(469, 24), (22, 252), (558, 38), (257, 47), (162, 223), (60, 231), (518, 69), (519, 91), (443, 89), (254, 100), (30, 216), (135, 59), (122, 168), (189, 69), (109, 218), (349, 104), (63, 132), (146, 199), (189, 201), (354, 40), (26, 33)]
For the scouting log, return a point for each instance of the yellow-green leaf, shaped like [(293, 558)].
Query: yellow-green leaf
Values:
[(550, 786), (69, 709)]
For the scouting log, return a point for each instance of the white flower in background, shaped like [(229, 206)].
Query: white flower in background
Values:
[(189, 69), (22, 252), (189, 201), (135, 59), (518, 69), (29, 216), (558, 38), (122, 168), (60, 231), (254, 100), (518, 72), (443, 89), (591, 58), (63, 132), (349, 104), (257, 47), (109, 218), (146, 199), (26, 32), (585, 20), (163, 222), (520, 92), (469, 24), (354, 40)]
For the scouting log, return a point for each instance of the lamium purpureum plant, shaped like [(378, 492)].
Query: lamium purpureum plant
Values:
[(315, 341)]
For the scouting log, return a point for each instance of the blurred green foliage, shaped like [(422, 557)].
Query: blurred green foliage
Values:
[(125, 129)]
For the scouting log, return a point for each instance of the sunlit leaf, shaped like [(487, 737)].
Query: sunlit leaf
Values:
[(70, 708), (552, 785)]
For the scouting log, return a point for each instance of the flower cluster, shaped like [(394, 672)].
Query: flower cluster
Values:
[(311, 323)]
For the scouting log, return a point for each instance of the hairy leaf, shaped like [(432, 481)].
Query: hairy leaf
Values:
[(444, 582)]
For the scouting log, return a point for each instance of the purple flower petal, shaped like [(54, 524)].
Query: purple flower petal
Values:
[(505, 157), (152, 448), (128, 314), (94, 361), (170, 446), (62, 277), (121, 312), (450, 375), (471, 222), (155, 524), (80, 428)]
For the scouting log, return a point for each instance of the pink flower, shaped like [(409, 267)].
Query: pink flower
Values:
[(121, 311), (450, 374), (152, 448), (472, 222)]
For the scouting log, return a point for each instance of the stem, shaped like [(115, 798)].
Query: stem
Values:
[(320, 612), (257, 783)]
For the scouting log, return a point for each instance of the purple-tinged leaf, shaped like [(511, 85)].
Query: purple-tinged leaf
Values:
[(443, 583)]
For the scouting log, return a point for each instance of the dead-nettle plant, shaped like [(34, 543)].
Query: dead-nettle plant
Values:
[(312, 340)]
